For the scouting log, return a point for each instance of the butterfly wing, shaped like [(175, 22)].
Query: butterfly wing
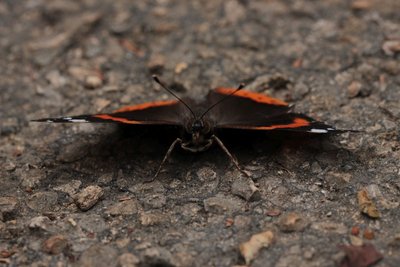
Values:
[(168, 112), (294, 122), (253, 111)]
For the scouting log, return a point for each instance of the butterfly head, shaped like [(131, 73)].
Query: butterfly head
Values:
[(198, 127), (198, 135)]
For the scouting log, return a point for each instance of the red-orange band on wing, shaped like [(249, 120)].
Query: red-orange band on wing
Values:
[(297, 122), (147, 105), (123, 120), (253, 96)]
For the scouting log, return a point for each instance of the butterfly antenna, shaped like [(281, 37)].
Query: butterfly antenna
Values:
[(163, 85), (240, 87)]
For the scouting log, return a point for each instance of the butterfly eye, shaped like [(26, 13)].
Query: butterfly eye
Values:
[(197, 126)]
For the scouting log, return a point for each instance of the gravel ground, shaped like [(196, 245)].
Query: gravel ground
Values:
[(77, 194)]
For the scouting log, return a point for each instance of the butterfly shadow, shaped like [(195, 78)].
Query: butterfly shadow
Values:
[(133, 153)]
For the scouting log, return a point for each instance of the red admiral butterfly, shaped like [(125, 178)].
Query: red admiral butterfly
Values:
[(223, 108)]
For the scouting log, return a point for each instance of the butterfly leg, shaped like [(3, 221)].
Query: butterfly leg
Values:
[(223, 147), (171, 148)]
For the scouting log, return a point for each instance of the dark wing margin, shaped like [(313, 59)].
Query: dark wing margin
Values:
[(167, 112)]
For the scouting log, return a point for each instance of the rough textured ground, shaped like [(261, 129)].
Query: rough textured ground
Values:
[(75, 194)]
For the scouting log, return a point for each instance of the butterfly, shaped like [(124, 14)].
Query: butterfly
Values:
[(223, 108)]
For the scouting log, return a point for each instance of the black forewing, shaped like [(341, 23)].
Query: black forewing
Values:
[(243, 108), (253, 111), (169, 112)]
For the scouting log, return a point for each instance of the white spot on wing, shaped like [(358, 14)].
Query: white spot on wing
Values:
[(77, 120), (318, 131)]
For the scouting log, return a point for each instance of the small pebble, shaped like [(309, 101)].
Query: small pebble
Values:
[(222, 205), (361, 4), (88, 197), (9, 166), (128, 260), (356, 241), (354, 89), (55, 244), (244, 187), (242, 222), (391, 47), (91, 223), (206, 174), (154, 255), (180, 67), (330, 227), (250, 249), (99, 255), (368, 234), (43, 201), (367, 206), (395, 242), (355, 230), (154, 201), (71, 152), (8, 207), (153, 218), (128, 207), (292, 222), (229, 222), (93, 82), (40, 222), (273, 213), (105, 179), (69, 188)]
